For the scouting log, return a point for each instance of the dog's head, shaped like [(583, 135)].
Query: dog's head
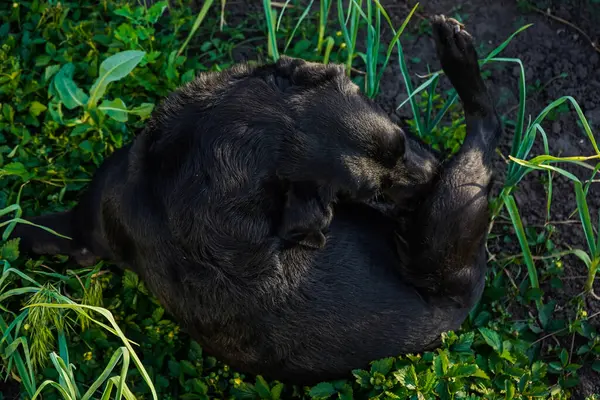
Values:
[(344, 138)]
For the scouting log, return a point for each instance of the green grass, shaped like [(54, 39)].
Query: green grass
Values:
[(78, 78)]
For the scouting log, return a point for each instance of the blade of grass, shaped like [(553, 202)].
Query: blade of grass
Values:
[(513, 211), (271, 16), (329, 43), (63, 350), (304, 14), (112, 363), (199, 18), (518, 135), (324, 7), (108, 315), (64, 375), (395, 39), (281, 14), (24, 368), (56, 386), (11, 349)]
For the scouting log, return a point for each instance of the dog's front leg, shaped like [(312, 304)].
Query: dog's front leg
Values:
[(307, 214)]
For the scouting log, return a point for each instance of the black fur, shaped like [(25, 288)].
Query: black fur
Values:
[(288, 224)]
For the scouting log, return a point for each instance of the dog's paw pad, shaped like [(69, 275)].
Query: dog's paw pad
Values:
[(454, 44)]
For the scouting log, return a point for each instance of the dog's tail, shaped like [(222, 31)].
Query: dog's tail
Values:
[(51, 234)]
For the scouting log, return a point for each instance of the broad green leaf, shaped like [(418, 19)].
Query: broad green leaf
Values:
[(464, 343), (362, 377), (86, 146), (382, 366), (407, 377), (15, 168), (323, 390), (460, 371), (10, 250), (262, 388), (50, 71), (143, 110), (276, 391), (155, 12), (80, 130), (112, 69), (492, 338), (36, 108), (68, 92), (509, 389), (116, 109)]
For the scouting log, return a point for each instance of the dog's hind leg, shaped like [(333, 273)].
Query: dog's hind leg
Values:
[(448, 232)]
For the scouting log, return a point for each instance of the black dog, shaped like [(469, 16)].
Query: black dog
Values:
[(288, 224)]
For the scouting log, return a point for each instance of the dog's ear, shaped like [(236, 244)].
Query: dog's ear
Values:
[(36, 240), (306, 216), (297, 72)]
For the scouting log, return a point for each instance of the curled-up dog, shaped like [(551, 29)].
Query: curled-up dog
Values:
[(290, 227)]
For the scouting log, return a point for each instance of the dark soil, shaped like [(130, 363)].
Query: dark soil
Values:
[(9, 390), (547, 49)]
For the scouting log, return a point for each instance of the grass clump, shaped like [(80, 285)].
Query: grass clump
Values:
[(78, 78)]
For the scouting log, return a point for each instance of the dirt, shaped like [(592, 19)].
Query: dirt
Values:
[(9, 390), (547, 49)]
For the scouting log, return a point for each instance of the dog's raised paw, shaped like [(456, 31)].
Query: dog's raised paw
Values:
[(454, 44), (457, 54)]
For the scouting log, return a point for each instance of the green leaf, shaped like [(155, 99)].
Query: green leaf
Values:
[(155, 12), (86, 146), (363, 378), (143, 110), (50, 71), (460, 371), (174, 368), (10, 250), (465, 341), (244, 391), (276, 391), (36, 108), (199, 386), (546, 313), (262, 388), (555, 365), (80, 130), (15, 168), (407, 377), (564, 357), (116, 109), (158, 314), (323, 390), (440, 364), (68, 92), (114, 68), (188, 368), (492, 339), (382, 366), (509, 389), (596, 366)]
